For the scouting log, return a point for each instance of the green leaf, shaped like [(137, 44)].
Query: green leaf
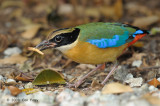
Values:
[(48, 76)]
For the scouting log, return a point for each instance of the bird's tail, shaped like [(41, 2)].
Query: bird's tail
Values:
[(138, 35)]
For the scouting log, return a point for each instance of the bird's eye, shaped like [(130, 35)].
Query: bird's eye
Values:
[(58, 38)]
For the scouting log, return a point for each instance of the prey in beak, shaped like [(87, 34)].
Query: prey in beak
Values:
[(45, 45)]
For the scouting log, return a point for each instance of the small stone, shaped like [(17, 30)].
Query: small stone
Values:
[(91, 66), (6, 92), (41, 97), (69, 77), (152, 88), (65, 9), (145, 88), (7, 100), (76, 100), (29, 85), (27, 103), (11, 51), (2, 78), (50, 93), (137, 102), (20, 82), (11, 82), (108, 100), (121, 73), (134, 82), (137, 63), (93, 100), (21, 95), (158, 79), (66, 94), (56, 92), (129, 76)]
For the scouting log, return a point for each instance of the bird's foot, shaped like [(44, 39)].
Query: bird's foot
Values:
[(75, 85), (79, 82)]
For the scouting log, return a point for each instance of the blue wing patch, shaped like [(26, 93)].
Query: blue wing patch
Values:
[(115, 41), (104, 42), (137, 32)]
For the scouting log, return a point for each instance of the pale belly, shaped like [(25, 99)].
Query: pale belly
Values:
[(89, 54)]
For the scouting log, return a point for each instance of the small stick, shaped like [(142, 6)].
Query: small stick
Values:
[(143, 68)]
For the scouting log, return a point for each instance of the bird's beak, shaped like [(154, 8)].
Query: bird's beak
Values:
[(45, 45)]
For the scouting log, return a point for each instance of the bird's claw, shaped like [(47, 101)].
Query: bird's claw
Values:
[(75, 85)]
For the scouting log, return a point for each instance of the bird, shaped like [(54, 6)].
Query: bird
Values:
[(94, 43)]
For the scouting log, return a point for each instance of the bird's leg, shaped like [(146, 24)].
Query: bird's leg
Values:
[(79, 82), (111, 72)]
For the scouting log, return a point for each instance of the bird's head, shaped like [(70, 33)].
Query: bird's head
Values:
[(62, 39)]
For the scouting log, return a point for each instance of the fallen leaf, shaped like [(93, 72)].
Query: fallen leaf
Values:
[(155, 30), (95, 83), (31, 31), (145, 21), (14, 59), (14, 90), (30, 90), (154, 82), (48, 76), (23, 77), (116, 88)]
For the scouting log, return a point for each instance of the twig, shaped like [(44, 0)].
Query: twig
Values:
[(13, 67), (143, 68)]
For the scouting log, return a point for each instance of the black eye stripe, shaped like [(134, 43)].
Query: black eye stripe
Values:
[(66, 38)]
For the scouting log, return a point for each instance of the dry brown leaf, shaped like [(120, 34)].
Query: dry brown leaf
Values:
[(152, 99), (14, 59), (95, 83), (116, 88), (154, 82), (36, 50), (14, 90), (36, 41), (30, 90), (136, 56), (92, 12), (145, 21), (23, 77), (135, 7), (10, 3), (118, 9), (114, 12), (31, 31)]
